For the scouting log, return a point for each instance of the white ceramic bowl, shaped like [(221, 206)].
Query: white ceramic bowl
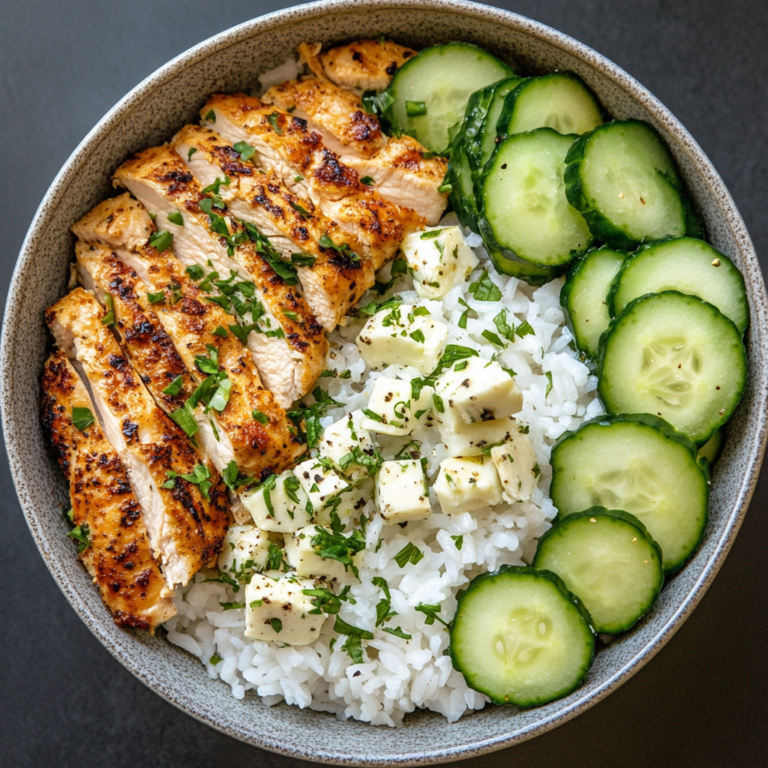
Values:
[(150, 114)]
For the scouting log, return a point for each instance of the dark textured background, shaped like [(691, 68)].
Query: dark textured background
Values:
[(64, 701)]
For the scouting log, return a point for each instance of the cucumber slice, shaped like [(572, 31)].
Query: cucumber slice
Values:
[(429, 93), (637, 463), (585, 293), (462, 195), (524, 270), (622, 177), (711, 450), (483, 144), (522, 206), (674, 356), (520, 637), (560, 101), (609, 560), (686, 265)]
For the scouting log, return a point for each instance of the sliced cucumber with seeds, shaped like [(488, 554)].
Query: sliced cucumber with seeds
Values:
[(609, 560), (674, 356), (523, 210), (639, 464), (585, 295), (520, 637), (686, 265), (711, 450), (622, 177), (483, 143), (430, 91), (560, 101)]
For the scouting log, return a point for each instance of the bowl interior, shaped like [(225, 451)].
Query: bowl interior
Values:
[(151, 114)]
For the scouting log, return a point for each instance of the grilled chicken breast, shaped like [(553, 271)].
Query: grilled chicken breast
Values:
[(286, 340), (373, 226), (363, 65), (336, 280), (399, 168), (258, 447), (186, 521), (118, 555)]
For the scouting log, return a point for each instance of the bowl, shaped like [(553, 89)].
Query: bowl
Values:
[(150, 114)]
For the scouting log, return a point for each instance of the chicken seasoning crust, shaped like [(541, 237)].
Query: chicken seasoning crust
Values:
[(344, 447)]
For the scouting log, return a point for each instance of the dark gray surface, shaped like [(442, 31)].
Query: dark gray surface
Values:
[(65, 702)]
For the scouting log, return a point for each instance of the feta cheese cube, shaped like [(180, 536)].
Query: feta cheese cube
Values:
[(480, 391), (516, 464), (245, 548), (279, 504), (394, 410), (468, 483), (346, 443), (469, 439), (401, 492), (403, 335), (303, 557), (276, 609), (320, 483), (439, 261)]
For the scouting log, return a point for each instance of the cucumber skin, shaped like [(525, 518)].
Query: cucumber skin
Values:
[(599, 226), (531, 273), (710, 456), (647, 246), (621, 515), (669, 431), (575, 267), (509, 103), (487, 232), (616, 320), (523, 570), (389, 116)]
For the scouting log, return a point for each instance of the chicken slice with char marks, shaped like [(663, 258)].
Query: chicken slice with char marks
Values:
[(187, 522), (258, 447), (399, 168), (363, 65), (118, 555), (286, 340), (336, 281), (373, 226)]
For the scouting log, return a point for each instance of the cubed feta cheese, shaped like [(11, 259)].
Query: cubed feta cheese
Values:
[(401, 492), (279, 504), (516, 464), (469, 439), (403, 335), (391, 411), (466, 484), (348, 446), (321, 484), (276, 609), (439, 261), (303, 557), (481, 391), (245, 548)]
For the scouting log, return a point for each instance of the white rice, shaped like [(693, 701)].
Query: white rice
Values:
[(400, 675)]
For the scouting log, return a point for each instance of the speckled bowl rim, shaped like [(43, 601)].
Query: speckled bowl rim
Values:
[(718, 193)]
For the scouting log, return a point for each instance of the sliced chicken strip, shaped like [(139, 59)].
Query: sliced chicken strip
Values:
[(286, 340), (363, 65), (374, 226), (118, 555), (259, 445), (336, 114), (401, 170), (186, 522), (151, 350), (336, 280)]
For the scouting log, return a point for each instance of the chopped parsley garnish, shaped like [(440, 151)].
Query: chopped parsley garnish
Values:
[(156, 298), (333, 545), (273, 121), (397, 632), (325, 601), (199, 476), (194, 149), (109, 318), (215, 659), (82, 535), (368, 181), (260, 416), (377, 103), (410, 553), (548, 374), (343, 249), (185, 420), (446, 186), (431, 611), (458, 541), (303, 260), (430, 234), (290, 315), (300, 209), (465, 314), (212, 190), (161, 240), (277, 625), (411, 450), (195, 271), (211, 116), (438, 401), (174, 387), (175, 217), (493, 338), (415, 108), (223, 578), (274, 557), (82, 418), (233, 478), (372, 415), (355, 635), (357, 455), (485, 289), (232, 606), (417, 336), (246, 150), (209, 364), (220, 330)]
